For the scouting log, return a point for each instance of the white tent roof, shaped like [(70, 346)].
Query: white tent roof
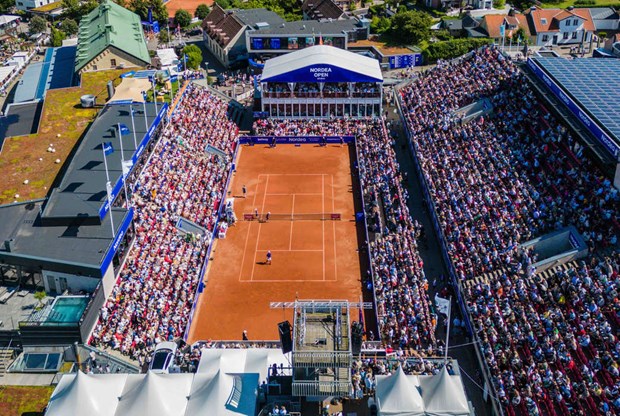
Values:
[(131, 89), (86, 394), (444, 395), (155, 394), (250, 360), (351, 64), (223, 394), (5, 72), (7, 18), (167, 57), (397, 395)]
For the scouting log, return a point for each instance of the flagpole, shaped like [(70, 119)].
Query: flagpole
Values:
[(448, 329), (120, 139), (133, 128), (107, 188), (146, 123), (154, 96)]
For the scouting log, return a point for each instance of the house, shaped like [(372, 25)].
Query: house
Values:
[(560, 27), (610, 49), (604, 18), (224, 31), (492, 23), (321, 9), (26, 5), (453, 26), (483, 4), (110, 37)]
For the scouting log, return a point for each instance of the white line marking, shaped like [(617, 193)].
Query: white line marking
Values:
[(296, 193), (323, 222), (288, 281), (291, 174), (334, 227), (247, 236), (259, 227), (290, 241), (290, 251)]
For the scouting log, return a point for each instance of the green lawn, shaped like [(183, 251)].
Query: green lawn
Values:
[(568, 3), (24, 400), (175, 88)]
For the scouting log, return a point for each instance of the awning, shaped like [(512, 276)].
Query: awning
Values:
[(131, 89)]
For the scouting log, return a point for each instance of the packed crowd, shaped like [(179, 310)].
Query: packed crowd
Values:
[(152, 300), (399, 282), (500, 180), (317, 89), (506, 177)]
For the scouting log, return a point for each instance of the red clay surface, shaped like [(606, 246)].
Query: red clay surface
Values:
[(311, 259), (190, 5)]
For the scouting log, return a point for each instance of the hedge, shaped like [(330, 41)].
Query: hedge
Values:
[(452, 48)]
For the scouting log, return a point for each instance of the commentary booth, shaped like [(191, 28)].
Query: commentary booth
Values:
[(320, 82)]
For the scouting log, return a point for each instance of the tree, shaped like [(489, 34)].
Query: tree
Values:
[(6, 6), (40, 295), (69, 27), (163, 36), (57, 37), (194, 56), (380, 24), (182, 18), (37, 25), (141, 7), (224, 4), (411, 27), (202, 11)]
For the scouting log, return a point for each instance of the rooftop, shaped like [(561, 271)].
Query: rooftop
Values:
[(590, 83), (309, 27)]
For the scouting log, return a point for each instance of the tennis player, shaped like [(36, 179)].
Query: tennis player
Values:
[(268, 257)]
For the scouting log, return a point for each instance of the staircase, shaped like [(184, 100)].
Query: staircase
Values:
[(6, 358)]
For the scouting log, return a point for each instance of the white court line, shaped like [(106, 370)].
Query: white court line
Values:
[(287, 281), (291, 174), (323, 222), (290, 241), (334, 227), (259, 227), (290, 251), (247, 236), (296, 193)]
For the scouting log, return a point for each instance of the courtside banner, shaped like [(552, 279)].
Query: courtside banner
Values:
[(296, 139)]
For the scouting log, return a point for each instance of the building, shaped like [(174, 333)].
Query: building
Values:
[(483, 4), (604, 18), (289, 36), (550, 27), (321, 9), (224, 31), (610, 49), (110, 37), (491, 24), (319, 82), (26, 5)]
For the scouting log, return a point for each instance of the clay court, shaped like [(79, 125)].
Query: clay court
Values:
[(312, 258)]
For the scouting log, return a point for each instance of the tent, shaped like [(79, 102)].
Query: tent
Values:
[(223, 394), (397, 394), (322, 63), (155, 394), (86, 394), (130, 89), (444, 395), (249, 360)]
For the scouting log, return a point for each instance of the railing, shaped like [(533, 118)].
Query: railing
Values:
[(444, 250), (323, 359), (321, 388), (318, 94)]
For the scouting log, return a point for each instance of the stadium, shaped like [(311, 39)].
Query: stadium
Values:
[(339, 257)]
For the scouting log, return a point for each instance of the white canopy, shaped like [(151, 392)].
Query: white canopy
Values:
[(224, 394), (397, 394), (155, 394), (439, 395), (167, 57), (5, 19), (86, 394), (250, 360), (444, 395), (322, 63), (131, 89)]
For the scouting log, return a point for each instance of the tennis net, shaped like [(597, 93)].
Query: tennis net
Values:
[(325, 216)]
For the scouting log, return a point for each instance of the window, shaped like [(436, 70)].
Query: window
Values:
[(568, 23), (545, 38), (574, 35), (576, 22), (565, 35), (543, 21), (112, 62)]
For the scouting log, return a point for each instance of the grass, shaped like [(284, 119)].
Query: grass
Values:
[(166, 97), (62, 114), (565, 4), (24, 400)]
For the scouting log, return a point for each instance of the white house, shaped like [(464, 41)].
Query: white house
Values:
[(560, 27), (26, 5)]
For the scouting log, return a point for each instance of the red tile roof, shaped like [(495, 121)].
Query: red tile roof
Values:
[(547, 20)]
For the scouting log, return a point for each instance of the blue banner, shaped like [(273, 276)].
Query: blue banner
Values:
[(117, 241), (600, 135), (321, 73), (257, 44), (405, 61), (296, 139)]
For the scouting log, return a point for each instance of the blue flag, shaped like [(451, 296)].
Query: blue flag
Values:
[(150, 16), (108, 149), (124, 130)]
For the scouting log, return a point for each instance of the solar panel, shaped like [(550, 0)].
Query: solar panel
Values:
[(593, 84)]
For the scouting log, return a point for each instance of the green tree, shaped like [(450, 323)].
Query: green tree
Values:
[(521, 34), (202, 11), (141, 7), (182, 18), (411, 27), (380, 24), (37, 25), (163, 36), (6, 5), (194, 56), (224, 4), (69, 27), (40, 295), (499, 4), (57, 37)]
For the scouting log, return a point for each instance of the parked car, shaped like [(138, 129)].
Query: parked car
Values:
[(163, 357), (195, 32)]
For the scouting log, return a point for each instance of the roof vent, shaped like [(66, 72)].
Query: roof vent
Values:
[(570, 8), (533, 8)]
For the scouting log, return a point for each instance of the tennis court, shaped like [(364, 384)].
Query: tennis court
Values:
[(311, 232)]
